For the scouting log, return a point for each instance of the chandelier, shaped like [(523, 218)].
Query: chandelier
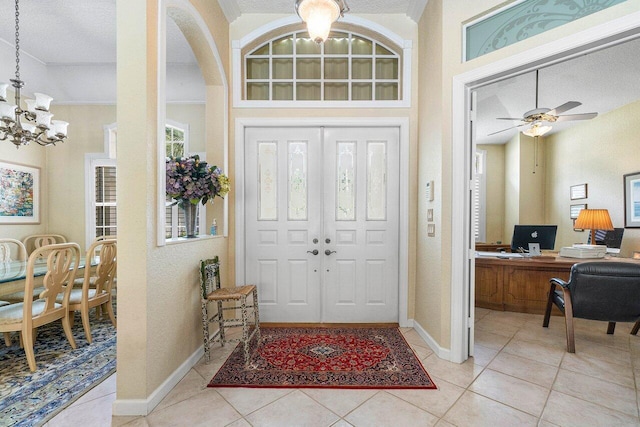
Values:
[(34, 124), (319, 15)]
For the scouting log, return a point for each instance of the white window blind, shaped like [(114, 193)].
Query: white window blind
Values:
[(479, 197)]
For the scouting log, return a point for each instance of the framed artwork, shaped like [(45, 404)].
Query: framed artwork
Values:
[(632, 200), (575, 210), (578, 191), (19, 194)]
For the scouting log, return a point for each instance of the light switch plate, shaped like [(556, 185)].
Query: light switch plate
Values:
[(429, 192), (431, 230)]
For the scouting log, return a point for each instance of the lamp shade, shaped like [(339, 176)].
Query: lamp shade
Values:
[(319, 15), (594, 219)]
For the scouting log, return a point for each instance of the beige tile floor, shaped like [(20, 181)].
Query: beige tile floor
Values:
[(521, 375)]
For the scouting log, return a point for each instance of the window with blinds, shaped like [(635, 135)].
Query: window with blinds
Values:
[(105, 200), (479, 197)]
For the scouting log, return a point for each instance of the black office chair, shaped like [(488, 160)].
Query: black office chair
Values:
[(608, 291)]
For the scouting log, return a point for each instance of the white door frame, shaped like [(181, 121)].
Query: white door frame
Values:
[(576, 44), (239, 188)]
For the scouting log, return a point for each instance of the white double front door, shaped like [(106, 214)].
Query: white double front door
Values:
[(321, 223)]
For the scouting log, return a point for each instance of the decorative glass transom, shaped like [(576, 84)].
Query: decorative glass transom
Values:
[(523, 19), (347, 67)]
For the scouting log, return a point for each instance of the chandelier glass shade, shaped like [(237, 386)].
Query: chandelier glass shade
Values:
[(319, 15), (536, 129), (34, 123)]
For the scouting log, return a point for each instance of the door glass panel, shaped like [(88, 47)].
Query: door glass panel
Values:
[(298, 181), (346, 192), (268, 181), (376, 181)]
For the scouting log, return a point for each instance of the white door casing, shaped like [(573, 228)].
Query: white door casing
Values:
[(322, 223)]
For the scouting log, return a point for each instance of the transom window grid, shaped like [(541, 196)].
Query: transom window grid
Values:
[(347, 67)]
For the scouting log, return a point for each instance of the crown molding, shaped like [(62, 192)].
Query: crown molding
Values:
[(416, 9), (230, 9)]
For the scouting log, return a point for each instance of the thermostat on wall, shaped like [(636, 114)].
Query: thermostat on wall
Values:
[(430, 191)]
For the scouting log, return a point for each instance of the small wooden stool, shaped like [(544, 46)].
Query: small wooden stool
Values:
[(213, 292)]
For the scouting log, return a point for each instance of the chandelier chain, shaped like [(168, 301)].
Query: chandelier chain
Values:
[(17, 41)]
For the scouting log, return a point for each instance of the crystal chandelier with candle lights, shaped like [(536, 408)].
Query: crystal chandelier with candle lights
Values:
[(34, 124)]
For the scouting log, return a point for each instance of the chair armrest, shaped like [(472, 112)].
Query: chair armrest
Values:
[(559, 282)]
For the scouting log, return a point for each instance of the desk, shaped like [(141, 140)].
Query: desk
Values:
[(522, 284), (12, 274)]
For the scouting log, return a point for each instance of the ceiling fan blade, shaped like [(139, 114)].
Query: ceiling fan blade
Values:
[(504, 130), (564, 107), (585, 116), (508, 118)]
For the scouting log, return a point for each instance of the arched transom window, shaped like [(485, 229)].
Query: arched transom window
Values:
[(347, 67)]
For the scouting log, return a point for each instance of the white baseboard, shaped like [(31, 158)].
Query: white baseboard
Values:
[(132, 407), (441, 352)]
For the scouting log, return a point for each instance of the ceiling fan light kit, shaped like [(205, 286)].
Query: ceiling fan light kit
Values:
[(319, 15), (538, 116), (33, 124)]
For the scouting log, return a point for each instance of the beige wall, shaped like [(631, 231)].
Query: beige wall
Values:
[(598, 152), (159, 325), (442, 23), (495, 173), (429, 295)]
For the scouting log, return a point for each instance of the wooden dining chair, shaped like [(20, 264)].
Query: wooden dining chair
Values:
[(36, 241), (12, 250), (97, 287), (15, 250), (62, 265)]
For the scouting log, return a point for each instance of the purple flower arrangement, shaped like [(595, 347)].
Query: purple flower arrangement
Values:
[(190, 180)]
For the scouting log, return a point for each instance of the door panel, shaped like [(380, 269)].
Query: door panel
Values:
[(281, 194), (361, 210)]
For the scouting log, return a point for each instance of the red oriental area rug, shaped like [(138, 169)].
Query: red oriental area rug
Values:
[(326, 358)]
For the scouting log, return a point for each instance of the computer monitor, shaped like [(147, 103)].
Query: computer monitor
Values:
[(612, 239), (545, 235)]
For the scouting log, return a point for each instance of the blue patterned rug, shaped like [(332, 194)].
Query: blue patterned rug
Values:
[(63, 374)]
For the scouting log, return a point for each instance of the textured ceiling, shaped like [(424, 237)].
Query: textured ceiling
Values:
[(74, 31), (602, 81), (58, 32), (356, 6)]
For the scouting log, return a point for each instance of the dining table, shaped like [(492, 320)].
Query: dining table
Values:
[(13, 274)]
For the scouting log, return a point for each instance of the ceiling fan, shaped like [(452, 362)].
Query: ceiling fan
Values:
[(538, 116)]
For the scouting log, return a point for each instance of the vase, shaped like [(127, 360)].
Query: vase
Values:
[(190, 215)]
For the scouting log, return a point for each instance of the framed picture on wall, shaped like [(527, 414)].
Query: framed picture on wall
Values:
[(19, 194), (632, 200), (577, 192), (575, 210)]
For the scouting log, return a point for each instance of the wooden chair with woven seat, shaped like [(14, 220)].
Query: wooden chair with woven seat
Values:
[(96, 290), (211, 291), (62, 265)]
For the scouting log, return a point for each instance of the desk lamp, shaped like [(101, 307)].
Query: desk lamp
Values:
[(594, 219)]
